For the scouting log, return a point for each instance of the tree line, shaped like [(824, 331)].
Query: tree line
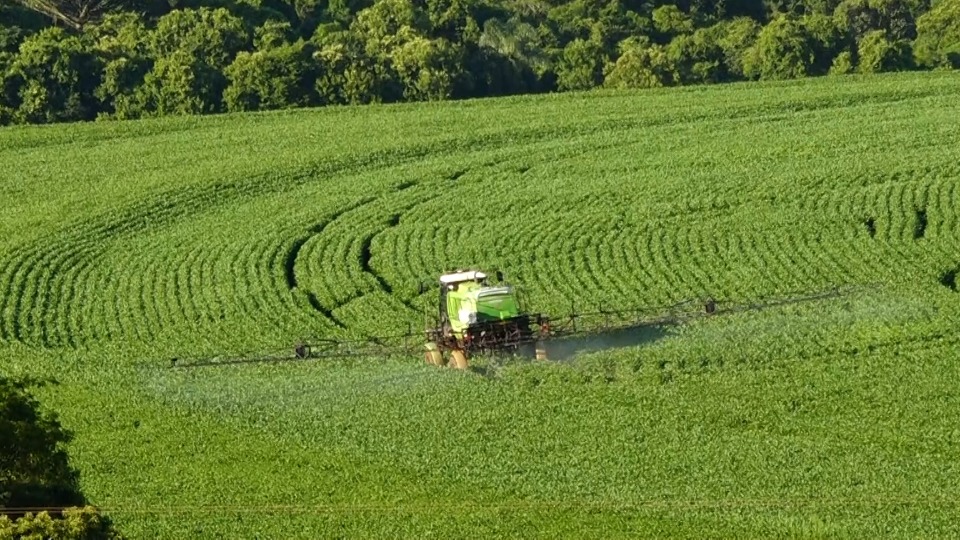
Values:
[(74, 60)]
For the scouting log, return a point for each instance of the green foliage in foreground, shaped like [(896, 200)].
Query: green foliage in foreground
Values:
[(126, 244), (35, 473), (75, 524), (34, 468)]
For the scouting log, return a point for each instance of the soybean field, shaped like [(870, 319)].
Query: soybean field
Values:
[(125, 244)]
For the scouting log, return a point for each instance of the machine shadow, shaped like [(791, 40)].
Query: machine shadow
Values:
[(568, 348)]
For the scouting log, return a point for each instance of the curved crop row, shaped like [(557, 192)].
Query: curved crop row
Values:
[(647, 211)]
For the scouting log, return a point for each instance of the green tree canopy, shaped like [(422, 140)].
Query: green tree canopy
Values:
[(275, 78), (782, 51), (35, 473), (34, 467), (53, 79), (428, 68), (212, 37), (878, 53), (157, 57), (581, 65), (938, 36), (641, 65)]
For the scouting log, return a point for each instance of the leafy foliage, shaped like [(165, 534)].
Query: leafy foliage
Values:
[(53, 79), (75, 524), (581, 66), (641, 66), (782, 51), (232, 56), (879, 54), (938, 35), (275, 78), (34, 468)]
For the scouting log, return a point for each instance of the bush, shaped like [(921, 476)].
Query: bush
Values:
[(76, 524), (782, 51), (842, 64), (877, 53), (180, 84), (53, 79), (272, 79), (581, 65), (641, 66), (938, 36)]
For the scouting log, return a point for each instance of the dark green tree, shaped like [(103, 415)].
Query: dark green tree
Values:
[(896, 17), (53, 79), (876, 53), (388, 24), (191, 48), (34, 466), (782, 51), (518, 43), (699, 57), (273, 34), (428, 69), (347, 74), (938, 36), (606, 22), (121, 43), (739, 36), (826, 41), (641, 65), (455, 20), (180, 84), (581, 66), (210, 36), (275, 78), (493, 73), (35, 473), (669, 21)]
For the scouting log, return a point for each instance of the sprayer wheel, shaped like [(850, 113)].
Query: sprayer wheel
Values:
[(540, 349), (432, 355), (436, 358), (459, 359)]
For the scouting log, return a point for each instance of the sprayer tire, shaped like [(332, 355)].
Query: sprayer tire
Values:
[(432, 356), (459, 359), (540, 350)]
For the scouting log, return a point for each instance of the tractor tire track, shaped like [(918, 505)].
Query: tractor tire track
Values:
[(33, 313)]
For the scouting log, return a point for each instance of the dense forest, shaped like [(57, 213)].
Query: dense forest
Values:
[(70, 60)]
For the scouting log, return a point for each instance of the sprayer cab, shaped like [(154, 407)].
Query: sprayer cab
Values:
[(468, 298)]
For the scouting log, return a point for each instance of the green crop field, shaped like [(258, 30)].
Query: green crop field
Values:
[(126, 244)]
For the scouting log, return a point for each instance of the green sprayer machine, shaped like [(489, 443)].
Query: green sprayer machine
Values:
[(477, 315)]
